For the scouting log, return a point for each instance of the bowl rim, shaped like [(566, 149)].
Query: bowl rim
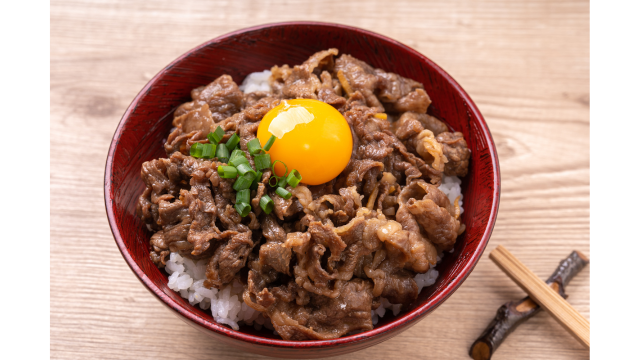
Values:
[(401, 322)]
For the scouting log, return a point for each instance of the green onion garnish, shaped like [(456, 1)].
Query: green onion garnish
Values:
[(227, 172), (254, 146), (256, 181), (208, 151), (232, 142), (244, 168), (270, 142), (294, 178), (235, 153), (282, 182), (243, 209), (243, 196), (266, 204), (273, 167), (283, 193), (251, 174), (243, 182), (262, 161), (196, 150), (273, 180), (222, 154), (216, 136), (236, 161)]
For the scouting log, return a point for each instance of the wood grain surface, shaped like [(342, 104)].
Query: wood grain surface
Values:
[(525, 63)]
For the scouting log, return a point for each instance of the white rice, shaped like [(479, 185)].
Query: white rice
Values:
[(257, 81), (451, 187), (187, 277)]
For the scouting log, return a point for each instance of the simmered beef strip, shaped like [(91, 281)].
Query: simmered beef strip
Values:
[(222, 97), (199, 119), (416, 101), (322, 317), (361, 77), (272, 253), (457, 152), (228, 259), (301, 82), (392, 87), (432, 209)]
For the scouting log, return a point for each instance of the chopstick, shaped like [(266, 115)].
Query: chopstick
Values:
[(542, 294)]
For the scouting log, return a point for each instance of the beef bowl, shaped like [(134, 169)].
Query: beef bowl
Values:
[(147, 124)]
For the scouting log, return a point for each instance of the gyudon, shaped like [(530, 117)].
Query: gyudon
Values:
[(308, 200)]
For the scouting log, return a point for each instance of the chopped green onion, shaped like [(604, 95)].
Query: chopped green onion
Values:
[(246, 171), (227, 172), (222, 154), (235, 153), (262, 161), (254, 146), (236, 161), (294, 178), (282, 182), (208, 151), (232, 142), (273, 168), (256, 181), (274, 183), (243, 209), (251, 174), (243, 182), (216, 136), (270, 142), (196, 150), (266, 204), (243, 196), (244, 168), (283, 193)]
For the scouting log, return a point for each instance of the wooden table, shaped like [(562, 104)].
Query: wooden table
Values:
[(525, 63)]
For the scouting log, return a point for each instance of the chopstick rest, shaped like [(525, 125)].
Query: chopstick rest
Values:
[(542, 294)]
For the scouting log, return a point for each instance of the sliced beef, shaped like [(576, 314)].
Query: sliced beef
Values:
[(223, 97), (272, 253), (300, 82), (195, 120), (408, 126), (361, 77), (432, 209), (325, 318), (330, 92), (457, 152), (392, 87), (228, 259), (416, 101)]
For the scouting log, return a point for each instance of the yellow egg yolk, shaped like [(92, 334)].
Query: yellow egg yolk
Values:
[(311, 137)]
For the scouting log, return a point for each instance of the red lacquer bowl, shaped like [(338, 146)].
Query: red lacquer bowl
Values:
[(146, 123)]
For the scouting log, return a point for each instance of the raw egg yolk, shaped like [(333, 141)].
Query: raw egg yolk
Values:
[(311, 137)]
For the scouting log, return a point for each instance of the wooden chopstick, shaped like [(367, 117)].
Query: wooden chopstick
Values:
[(542, 294)]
